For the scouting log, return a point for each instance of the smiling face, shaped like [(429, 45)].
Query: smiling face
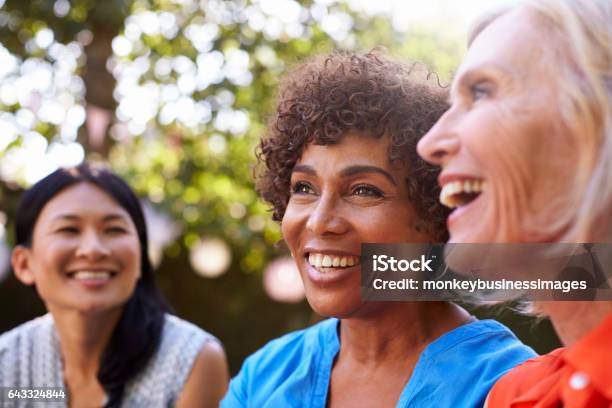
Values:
[(85, 252), (344, 195), (507, 162)]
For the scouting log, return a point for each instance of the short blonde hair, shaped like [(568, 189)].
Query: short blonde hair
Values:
[(581, 33)]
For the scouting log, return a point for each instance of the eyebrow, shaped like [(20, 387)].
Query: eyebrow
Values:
[(113, 217), (348, 171), (302, 168), (106, 218)]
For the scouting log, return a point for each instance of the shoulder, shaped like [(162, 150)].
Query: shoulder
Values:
[(471, 358), (282, 364), (207, 381), (488, 338), (181, 342), (489, 348), (211, 359), (183, 339), (537, 367), (24, 346), (210, 362), (181, 346), (175, 327), (292, 346), (524, 376), (27, 330)]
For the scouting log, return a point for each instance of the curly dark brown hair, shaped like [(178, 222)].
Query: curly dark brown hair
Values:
[(329, 96)]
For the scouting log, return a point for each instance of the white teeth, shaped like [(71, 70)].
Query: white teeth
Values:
[(315, 260), (327, 261), (331, 261), (82, 275), (449, 190)]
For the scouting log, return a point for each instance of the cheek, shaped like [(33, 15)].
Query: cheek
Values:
[(520, 138), (519, 159), (497, 139), (290, 226), (127, 252), (501, 140), (52, 255), (376, 225), (48, 263)]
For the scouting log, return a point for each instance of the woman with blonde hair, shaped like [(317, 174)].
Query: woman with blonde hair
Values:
[(531, 121)]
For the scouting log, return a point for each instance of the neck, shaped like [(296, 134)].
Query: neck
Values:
[(83, 338), (573, 320), (395, 329)]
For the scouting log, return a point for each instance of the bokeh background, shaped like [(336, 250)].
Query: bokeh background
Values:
[(173, 95)]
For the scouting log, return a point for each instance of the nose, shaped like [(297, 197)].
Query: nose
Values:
[(91, 246), (441, 142), (326, 217)]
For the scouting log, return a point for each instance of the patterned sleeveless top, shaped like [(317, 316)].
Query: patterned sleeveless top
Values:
[(30, 357)]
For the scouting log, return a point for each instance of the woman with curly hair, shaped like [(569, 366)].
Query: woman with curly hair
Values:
[(341, 169)]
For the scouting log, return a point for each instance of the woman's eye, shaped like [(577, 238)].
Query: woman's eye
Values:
[(116, 230), (302, 188), (480, 90), (68, 230), (367, 191)]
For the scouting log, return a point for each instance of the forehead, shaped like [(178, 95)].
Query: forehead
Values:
[(82, 200), (352, 147), (509, 43)]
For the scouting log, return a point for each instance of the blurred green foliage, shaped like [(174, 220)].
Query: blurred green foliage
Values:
[(195, 172)]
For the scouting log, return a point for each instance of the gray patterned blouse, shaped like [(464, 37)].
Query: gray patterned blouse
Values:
[(30, 357)]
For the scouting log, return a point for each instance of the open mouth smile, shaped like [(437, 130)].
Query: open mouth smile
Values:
[(328, 263), (459, 193), (85, 275)]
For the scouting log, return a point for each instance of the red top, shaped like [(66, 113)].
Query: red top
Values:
[(575, 377)]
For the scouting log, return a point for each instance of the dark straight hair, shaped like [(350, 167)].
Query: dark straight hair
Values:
[(138, 332)]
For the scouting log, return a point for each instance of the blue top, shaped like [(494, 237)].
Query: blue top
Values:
[(455, 370)]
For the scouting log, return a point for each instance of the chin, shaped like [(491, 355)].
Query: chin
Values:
[(470, 238), (100, 305), (97, 307), (332, 305), (482, 231)]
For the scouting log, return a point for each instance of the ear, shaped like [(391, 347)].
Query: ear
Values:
[(21, 261)]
